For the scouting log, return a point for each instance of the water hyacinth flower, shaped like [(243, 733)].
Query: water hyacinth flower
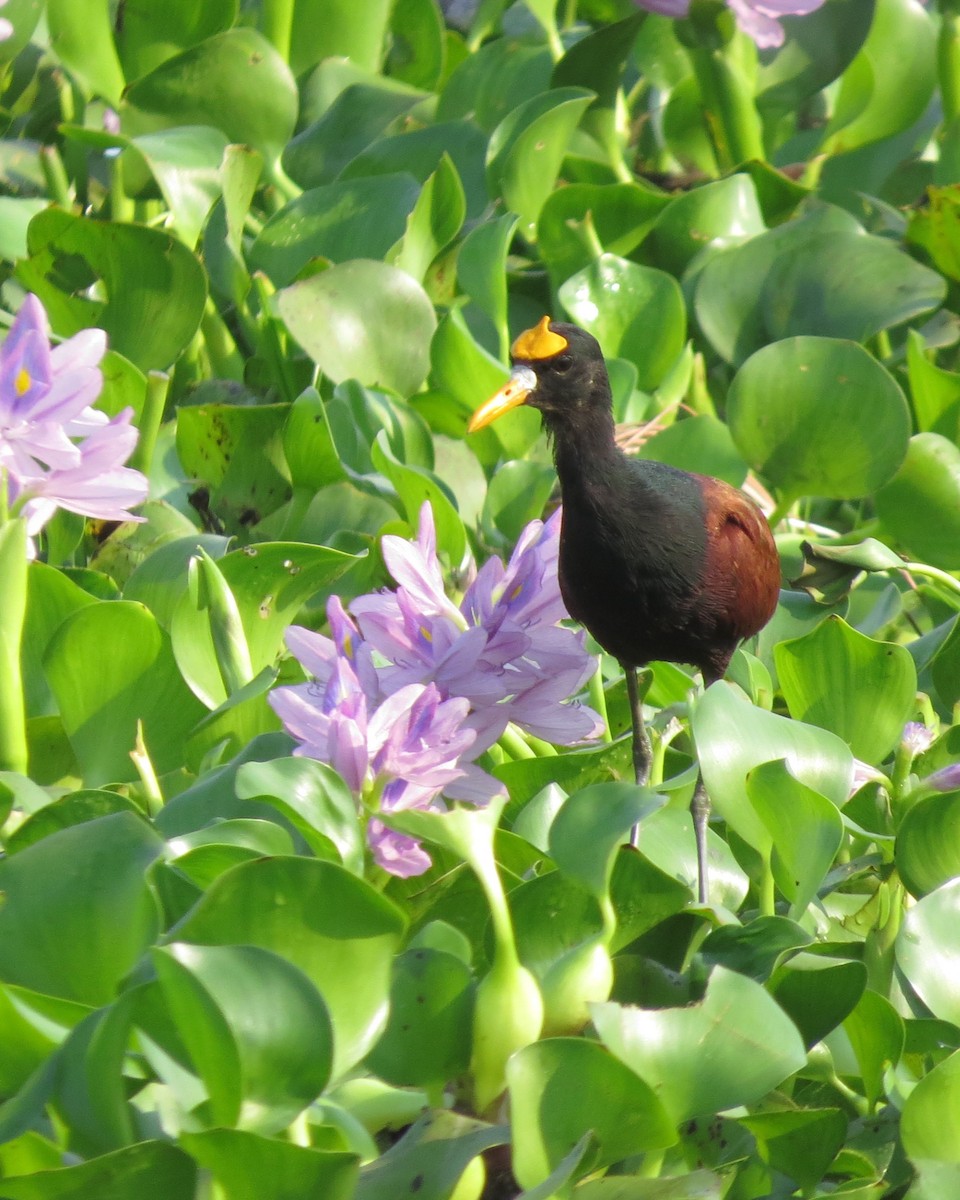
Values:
[(56, 451), (410, 688), (6, 28), (759, 19)]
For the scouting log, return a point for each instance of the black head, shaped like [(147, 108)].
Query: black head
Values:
[(558, 369)]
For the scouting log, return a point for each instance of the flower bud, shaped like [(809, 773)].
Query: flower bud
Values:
[(508, 1015)]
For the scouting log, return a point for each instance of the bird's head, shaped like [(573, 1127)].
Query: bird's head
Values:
[(557, 369)]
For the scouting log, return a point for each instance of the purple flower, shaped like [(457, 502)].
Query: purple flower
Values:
[(759, 19), (947, 779), (6, 29), (55, 450), (917, 737)]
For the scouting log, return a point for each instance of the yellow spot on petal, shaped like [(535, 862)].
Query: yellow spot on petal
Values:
[(539, 342), (23, 381), (427, 635)]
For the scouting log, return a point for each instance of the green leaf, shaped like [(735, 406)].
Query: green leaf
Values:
[(844, 285), (251, 1167), (60, 926), (887, 87), (334, 927), (360, 218), (928, 950), (930, 1122), (800, 1144), (150, 314), (818, 993), (516, 495), (562, 1088), (81, 36), (434, 222), (928, 843), (634, 312), (149, 34), (933, 391), (863, 690), (527, 148), (363, 320), (920, 505), (148, 1168), (111, 667), (417, 43), (429, 1159), (481, 271), (877, 1035), (574, 218), (745, 1046), (815, 53), (325, 28), (805, 828), (415, 486), (733, 737), (428, 1035), (74, 808), (255, 1028), (186, 164), (711, 215), (234, 81), (314, 799), (818, 416)]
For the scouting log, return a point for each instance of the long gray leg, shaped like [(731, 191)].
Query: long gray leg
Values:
[(700, 811), (642, 751)]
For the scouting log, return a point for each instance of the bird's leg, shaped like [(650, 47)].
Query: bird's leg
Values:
[(642, 752), (700, 811)]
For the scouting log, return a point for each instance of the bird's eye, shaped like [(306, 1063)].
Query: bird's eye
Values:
[(563, 364)]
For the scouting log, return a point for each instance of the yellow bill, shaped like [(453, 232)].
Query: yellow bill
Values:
[(513, 393)]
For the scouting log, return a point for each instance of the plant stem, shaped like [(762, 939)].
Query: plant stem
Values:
[(55, 176), (598, 701), (731, 116), (948, 60), (278, 24), (767, 899), (151, 416), (13, 609)]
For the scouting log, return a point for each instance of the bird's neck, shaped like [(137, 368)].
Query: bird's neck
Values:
[(585, 446)]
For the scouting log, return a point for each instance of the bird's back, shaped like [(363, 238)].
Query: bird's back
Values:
[(661, 564)]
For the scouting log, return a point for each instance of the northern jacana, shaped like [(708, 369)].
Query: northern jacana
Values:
[(658, 564)]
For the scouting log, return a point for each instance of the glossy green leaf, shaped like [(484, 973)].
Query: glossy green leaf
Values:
[(805, 828), (428, 1033), (818, 993), (731, 1048), (361, 218), (322, 28), (186, 164), (815, 53), (249, 1166), (141, 322), (434, 222), (517, 494), (51, 598), (149, 1167), (928, 950), (801, 1144), (733, 737), (363, 320), (618, 215), (668, 843), (887, 86), (82, 38), (933, 391), (59, 927), (561, 1088), (415, 486), (819, 416), (334, 927), (930, 1123), (234, 81), (110, 666), (756, 948), (255, 1028), (590, 826), (527, 148), (701, 443), (877, 1035), (481, 271), (161, 578), (928, 843), (72, 809), (711, 215), (863, 690), (430, 1157), (634, 312), (150, 34), (920, 505), (845, 285)]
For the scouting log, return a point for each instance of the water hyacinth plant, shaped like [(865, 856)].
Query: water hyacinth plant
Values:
[(315, 880), (413, 688)]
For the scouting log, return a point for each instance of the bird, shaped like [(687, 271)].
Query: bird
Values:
[(658, 564)]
